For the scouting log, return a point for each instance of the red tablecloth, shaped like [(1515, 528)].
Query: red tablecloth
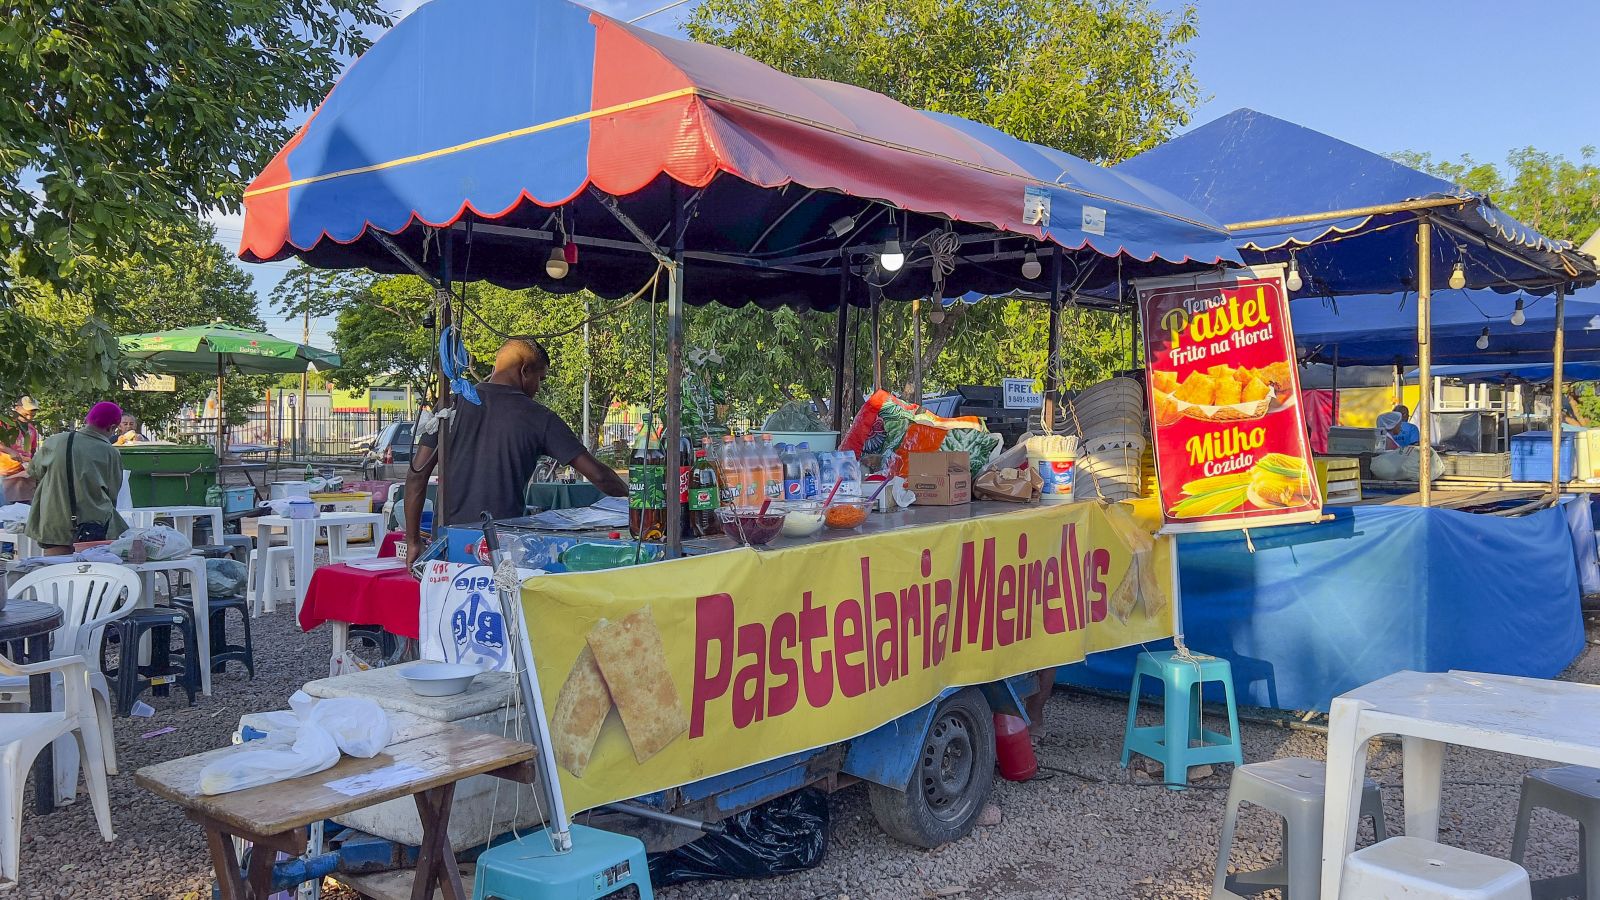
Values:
[(388, 548), (342, 593)]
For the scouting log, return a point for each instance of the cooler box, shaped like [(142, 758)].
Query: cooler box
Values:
[(169, 474), (1530, 456), (347, 501), (234, 499), (484, 806)]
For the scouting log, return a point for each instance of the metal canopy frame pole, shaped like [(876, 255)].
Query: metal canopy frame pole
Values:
[(1556, 393), (841, 348), (1334, 388), (675, 461), (916, 350), (877, 340), (1424, 359), (1052, 356)]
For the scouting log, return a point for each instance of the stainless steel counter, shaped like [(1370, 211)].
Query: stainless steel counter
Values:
[(910, 517)]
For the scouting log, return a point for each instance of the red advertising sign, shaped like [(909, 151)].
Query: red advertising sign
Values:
[(1230, 434)]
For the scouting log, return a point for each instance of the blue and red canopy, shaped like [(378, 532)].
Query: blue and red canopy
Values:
[(498, 112)]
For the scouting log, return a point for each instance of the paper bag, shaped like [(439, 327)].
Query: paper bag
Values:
[(1014, 485)]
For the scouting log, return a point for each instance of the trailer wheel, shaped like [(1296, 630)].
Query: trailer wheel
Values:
[(952, 779)]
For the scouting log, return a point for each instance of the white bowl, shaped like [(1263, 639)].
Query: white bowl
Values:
[(437, 679)]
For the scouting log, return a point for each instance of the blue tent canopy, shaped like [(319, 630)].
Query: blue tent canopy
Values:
[(1534, 373), (1248, 167), (1381, 329)]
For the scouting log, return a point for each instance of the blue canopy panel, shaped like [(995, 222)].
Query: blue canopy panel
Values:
[(1378, 330), (1248, 166), (562, 113), (1535, 373)]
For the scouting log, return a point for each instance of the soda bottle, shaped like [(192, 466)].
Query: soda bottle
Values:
[(794, 482), (729, 475), (685, 477), (755, 474), (647, 496), (810, 471), (704, 494), (773, 488)]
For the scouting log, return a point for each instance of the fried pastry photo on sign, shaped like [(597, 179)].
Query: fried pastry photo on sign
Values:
[(1163, 381), (1166, 409), (581, 709), (633, 660), (1229, 392), (1126, 596), (1199, 389)]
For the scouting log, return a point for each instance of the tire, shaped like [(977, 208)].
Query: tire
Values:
[(952, 779)]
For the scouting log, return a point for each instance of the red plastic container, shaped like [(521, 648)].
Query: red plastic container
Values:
[(1013, 748)]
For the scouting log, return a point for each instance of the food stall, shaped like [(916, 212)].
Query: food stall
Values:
[(655, 169)]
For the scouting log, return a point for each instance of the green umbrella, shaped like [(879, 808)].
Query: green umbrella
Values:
[(217, 348)]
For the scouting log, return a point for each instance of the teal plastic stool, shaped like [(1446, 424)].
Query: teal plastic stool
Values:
[(599, 864), (1172, 742)]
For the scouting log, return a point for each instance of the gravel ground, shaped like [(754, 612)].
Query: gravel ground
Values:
[(1085, 828)]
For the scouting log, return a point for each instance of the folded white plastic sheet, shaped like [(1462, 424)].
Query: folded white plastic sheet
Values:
[(303, 740)]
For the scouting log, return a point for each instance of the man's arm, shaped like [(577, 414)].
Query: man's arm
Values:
[(598, 474), (422, 465)]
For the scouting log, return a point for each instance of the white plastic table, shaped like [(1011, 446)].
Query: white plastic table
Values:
[(182, 518), (196, 567), (1551, 720), (303, 541), (22, 545)]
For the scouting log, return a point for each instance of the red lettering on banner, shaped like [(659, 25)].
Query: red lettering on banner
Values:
[(910, 627), (1006, 607), (846, 644), (784, 693), (819, 677), (886, 638), (750, 685), (1055, 618), (975, 598), (940, 629), (1076, 610), (1099, 565), (1035, 576), (866, 620), (713, 621)]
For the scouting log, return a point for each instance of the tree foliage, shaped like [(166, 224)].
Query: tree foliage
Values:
[(1101, 79), (121, 119), (1557, 196)]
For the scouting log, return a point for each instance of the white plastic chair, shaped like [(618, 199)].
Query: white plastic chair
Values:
[(24, 735), (90, 595)]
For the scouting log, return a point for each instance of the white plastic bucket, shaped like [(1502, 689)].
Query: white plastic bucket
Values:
[(1055, 472)]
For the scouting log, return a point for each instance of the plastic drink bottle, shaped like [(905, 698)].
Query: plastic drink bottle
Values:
[(647, 496), (704, 495), (794, 482), (731, 478), (810, 471), (774, 470), (755, 473)]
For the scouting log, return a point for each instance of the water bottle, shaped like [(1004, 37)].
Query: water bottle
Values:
[(810, 471), (849, 474), (794, 482)]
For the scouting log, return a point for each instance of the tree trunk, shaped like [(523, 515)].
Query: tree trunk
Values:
[(933, 344)]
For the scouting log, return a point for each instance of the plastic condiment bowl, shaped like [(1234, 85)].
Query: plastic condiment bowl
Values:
[(437, 679), (802, 519), (846, 515), (747, 525)]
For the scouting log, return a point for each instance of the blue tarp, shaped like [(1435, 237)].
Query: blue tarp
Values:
[(1381, 329), (1248, 166), (1537, 373), (1320, 609)]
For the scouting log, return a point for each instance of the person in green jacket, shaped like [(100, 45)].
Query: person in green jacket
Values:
[(94, 473)]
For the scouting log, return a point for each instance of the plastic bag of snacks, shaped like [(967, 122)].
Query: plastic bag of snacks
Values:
[(888, 424)]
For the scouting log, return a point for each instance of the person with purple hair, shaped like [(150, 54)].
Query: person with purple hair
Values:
[(79, 474)]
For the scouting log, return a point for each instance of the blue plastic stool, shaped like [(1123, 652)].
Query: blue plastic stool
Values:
[(600, 864), (1170, 742)]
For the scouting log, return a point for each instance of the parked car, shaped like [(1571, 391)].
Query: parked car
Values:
[(390, 455)]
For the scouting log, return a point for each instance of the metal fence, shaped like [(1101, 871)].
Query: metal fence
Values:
[(342, 436)]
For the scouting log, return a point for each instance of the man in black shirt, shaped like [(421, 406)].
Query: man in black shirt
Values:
[(494, 446)]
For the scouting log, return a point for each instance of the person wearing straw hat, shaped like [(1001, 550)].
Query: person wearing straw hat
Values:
[(16, 486), (79, 474)]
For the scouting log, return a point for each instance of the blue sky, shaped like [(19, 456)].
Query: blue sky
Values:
[(1450, 77)]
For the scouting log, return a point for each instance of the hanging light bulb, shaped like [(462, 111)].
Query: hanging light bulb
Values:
[(1458, 276), (1293, 282), (1030, 265), (841, 226), (1517, 315), (1483, 339), (891, 257), (937, 314), (556, 266)]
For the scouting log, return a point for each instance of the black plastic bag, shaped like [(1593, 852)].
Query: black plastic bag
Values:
[(789, 834)]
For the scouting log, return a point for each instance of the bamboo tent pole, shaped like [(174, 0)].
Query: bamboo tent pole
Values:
[(1424, 360), (1052, 356), (1353, 212)]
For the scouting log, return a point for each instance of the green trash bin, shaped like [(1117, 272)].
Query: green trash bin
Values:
[(169, 474)]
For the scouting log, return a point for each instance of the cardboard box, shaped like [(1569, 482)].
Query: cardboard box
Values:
[(940, 479)]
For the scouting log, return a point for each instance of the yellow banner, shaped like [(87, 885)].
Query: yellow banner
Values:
[(659, 675)]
